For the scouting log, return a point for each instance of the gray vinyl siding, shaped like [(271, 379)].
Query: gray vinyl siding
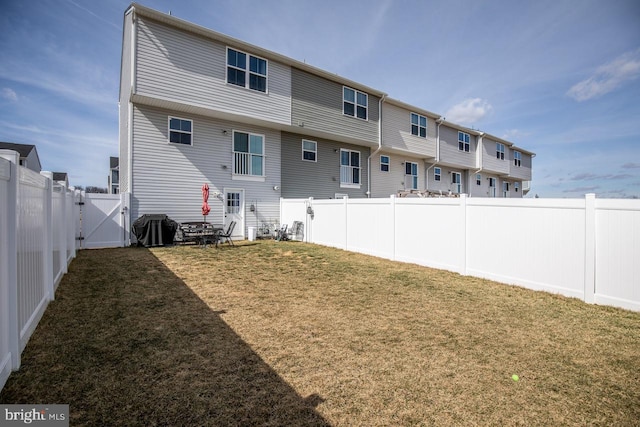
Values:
[(320, 179), (445, 185), (396, 132), (168, 177), (522, 172), (384, 184), (184, 67), (123, 113), (316, 104), (449, 152), (490, 162)]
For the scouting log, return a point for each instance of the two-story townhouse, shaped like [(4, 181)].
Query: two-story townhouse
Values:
[(197, 106)]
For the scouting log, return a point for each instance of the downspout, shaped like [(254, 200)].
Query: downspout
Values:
[(134, 40), (439, 121), (479, 150), (379, 145)]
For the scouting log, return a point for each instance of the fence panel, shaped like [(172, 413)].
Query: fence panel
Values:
[(329, 226), (7, 272), (617, 267), (372, 234)]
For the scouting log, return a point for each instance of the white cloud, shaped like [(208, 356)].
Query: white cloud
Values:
[(469, 111), (608, 77), (9, 94)]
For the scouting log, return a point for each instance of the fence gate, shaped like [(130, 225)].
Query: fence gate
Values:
[(103, 220)]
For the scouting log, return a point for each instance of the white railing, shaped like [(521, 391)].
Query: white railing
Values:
[(37, 229), (584, 248)]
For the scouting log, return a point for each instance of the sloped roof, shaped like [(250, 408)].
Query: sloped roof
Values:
[(114, 162), (59, 176), (23, 149)]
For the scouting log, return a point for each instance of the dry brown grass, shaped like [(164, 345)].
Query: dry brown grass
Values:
[(285, 333)]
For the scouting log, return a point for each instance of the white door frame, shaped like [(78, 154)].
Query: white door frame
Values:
[(239, 217)]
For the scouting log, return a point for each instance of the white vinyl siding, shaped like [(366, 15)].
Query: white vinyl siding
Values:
[(492, 159), (396, 132), (180, 66), (450, 153)]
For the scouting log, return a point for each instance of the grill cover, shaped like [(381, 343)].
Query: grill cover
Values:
[(154, 230)]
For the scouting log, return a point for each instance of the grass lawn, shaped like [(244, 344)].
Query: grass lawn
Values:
[(285, 333)]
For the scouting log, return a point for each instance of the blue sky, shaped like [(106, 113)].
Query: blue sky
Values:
[(560, 78)]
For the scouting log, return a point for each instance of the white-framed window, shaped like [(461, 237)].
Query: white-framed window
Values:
[(499, 151), (505, 189), (463, 141), (418, 125), (437, 174), (354, 103), (349, 168), (517, 158), (492, 187), (180, 130), (248, 154), (456, 180), (384, 163), (478, 179), (411, 176), (246, 70), (309, 150), (516, 186)]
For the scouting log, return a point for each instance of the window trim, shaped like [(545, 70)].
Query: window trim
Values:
[(169, 130), (387, 163), (355, 104), (247, 70), (418, 126), (359, 167), (500, 151), (315, 152), (437, 174), (517, 159), (248, 177), (465, 143)]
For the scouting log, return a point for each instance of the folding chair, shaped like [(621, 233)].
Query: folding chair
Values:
[(227, 234), (281, 234)]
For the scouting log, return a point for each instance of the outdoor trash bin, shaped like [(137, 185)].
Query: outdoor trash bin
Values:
[(154, 230)]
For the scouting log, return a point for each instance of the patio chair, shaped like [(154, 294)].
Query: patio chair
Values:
[(226, 235), (281, 234)]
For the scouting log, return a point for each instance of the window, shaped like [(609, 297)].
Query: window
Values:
[(411, 176), (354, 103), (456, 180), (309, 150), (180, 130), (463, 141), (516, 186), (478, 179), (248, 154), (349, 168), (517, 158), (500, 151), (237, 65), (492, 187), (437, 172), (418, 125), (384, 163)]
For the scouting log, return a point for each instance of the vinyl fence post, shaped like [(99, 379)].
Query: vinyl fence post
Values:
[(590, 248), (345, 202), (47, 238), (9, 275)]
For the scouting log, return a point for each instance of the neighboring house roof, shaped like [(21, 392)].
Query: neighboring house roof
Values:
[(23, 149), (114, 162), (59, 176)]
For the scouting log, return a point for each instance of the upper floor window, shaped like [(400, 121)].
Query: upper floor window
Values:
[(349, 168), (437, 173), (354, 103), (180, 130), (478, 179), (246, 70), (463, 141), (418, 125), (411, 176), (517, 158), (500, 151), (248, 154), (384, 163), (309, 150)]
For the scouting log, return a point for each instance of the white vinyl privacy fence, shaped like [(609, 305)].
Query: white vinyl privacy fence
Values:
[(585, 248)]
